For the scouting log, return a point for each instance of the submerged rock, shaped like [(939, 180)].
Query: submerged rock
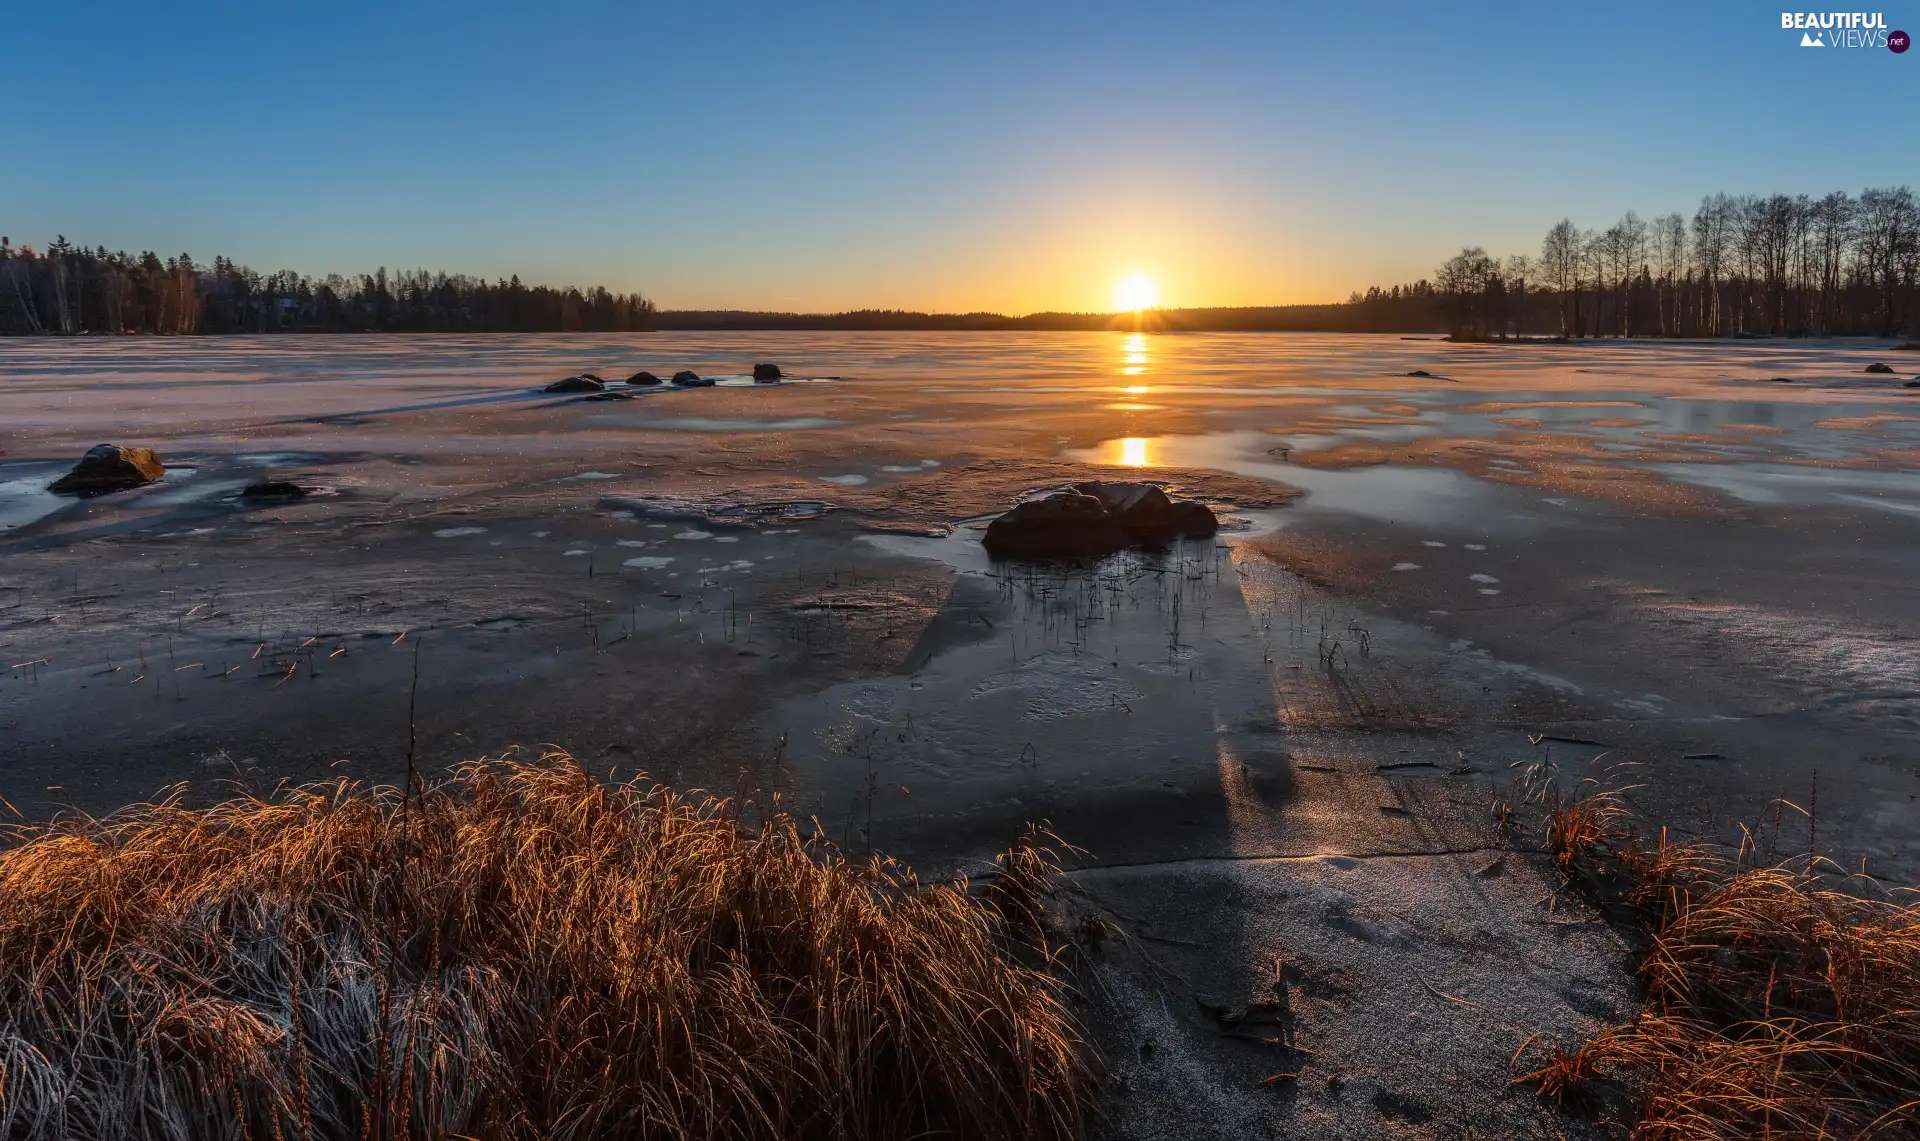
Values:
[(585, 382), (643, 377), (1422, 373), (687, 378), (1879, 366), (273, 489), (764, 373), (110, 467), (1093, 519), (609, 396)]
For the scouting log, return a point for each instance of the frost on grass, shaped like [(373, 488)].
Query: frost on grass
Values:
[(522, 952), (1782, 1000)]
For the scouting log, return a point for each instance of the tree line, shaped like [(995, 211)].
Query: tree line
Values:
[(66, 288), (1751, 265)]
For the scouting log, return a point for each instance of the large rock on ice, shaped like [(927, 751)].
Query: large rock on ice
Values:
[(687, 378), (110, 467), (1879, 366), (765, 373), (1093, 519), (1149, 514), (643, 377), (582, 383), (1063, 524)]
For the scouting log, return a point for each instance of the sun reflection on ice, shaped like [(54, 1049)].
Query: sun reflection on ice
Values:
[(1133, 452)]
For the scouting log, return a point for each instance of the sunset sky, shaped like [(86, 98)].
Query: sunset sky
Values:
[(1011, 157)]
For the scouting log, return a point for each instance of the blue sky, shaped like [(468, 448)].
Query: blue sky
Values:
[(985, 155)]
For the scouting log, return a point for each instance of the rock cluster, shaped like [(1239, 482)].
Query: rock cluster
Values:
[(1092, 519), (586, 382)]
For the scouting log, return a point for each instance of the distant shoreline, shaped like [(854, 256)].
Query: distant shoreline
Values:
[(1040, 323)]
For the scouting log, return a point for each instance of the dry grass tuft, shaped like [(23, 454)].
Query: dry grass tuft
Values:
[(522, 952), (1564, 1076), (1778, 1005), (1580, 827), (1782, 1002)]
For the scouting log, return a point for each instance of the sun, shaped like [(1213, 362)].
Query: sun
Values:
[(1135, 292)]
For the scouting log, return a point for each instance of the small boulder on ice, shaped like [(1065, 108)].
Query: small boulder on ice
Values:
[(687, 378), (1880, 367), (273, 489), (584, 382), (110, 467), (766, 373), (643, 377)]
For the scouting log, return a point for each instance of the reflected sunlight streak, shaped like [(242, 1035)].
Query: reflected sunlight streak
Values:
[(1133, 452)]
